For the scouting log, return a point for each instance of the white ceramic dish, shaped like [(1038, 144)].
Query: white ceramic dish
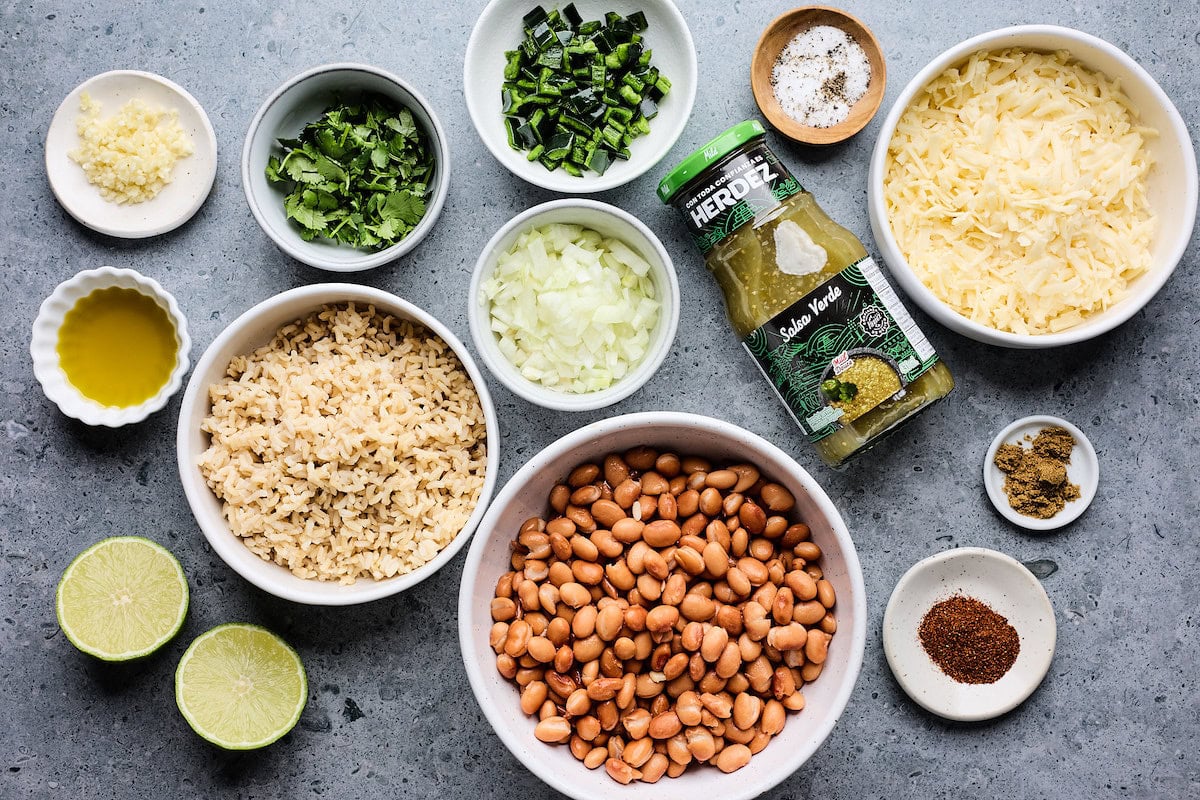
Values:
[(301, 100), (1172, 184), (499, 28), (525, 496), (44, 343), (1010, 590), (1083, 470), (253, 329), (191, 179), (609, 221)]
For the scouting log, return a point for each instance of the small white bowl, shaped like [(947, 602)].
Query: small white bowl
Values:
[(525, 496), (1083, 470), (251, 330), (1171, 185), (499, 28), (191, 179), (43, 346), (992, 578), (608, 221), (302, 100)]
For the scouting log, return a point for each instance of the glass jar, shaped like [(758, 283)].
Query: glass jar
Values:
[(805, 297)]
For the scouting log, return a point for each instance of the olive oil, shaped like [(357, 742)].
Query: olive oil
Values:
[(117, 346)]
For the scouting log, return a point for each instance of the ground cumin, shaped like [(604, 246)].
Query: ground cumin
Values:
[(1036, 476), (968, 640)]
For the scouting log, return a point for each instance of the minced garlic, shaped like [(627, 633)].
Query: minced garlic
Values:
[(129, 156)]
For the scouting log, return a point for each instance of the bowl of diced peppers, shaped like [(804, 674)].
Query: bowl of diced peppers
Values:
[(580, 98)]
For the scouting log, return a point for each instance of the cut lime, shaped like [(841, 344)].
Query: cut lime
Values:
[(240, 686), (122, 598)]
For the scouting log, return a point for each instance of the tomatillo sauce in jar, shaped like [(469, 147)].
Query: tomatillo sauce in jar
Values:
[(807, 300)]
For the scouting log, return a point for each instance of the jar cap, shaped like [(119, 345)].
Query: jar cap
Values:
[(716, 149)]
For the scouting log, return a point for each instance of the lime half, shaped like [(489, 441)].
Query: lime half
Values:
[(240, 686), (122, 598)]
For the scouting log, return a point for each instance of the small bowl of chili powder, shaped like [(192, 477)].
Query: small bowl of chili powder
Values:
[(969, 633)]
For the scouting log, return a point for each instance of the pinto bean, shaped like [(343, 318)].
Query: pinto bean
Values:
[(662, 611)]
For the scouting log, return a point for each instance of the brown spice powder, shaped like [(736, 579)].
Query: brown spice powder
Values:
[(1036, 477), (968, 640)]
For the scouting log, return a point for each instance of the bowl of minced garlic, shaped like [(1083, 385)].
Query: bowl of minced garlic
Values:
[(1041, 472), (130, 154)]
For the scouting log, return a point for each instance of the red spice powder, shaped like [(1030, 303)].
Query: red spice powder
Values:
[(968, 640)]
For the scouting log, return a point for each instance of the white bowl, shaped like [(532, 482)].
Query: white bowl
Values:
[(525, 496), (1084, 470), (609, 221), (251, 330), (191, 178), (992, 578), (1172, 183), (499, 29), (44, 343), (302, 100)]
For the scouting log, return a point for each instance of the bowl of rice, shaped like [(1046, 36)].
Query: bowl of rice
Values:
[(337, 445), (1033, 187)]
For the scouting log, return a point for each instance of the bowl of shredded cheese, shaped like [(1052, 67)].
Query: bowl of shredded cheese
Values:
[(1033, 187)]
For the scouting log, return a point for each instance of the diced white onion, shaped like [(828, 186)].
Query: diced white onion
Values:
[(571, 309)]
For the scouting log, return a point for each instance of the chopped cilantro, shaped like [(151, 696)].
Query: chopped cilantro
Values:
[(359, 175)]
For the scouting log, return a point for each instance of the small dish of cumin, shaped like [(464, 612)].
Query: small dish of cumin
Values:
[(1041, 473)]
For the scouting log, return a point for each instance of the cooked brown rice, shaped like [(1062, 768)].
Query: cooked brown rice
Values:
[(352, 445)]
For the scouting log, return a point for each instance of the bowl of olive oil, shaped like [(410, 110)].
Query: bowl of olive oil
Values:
[(110, 347)]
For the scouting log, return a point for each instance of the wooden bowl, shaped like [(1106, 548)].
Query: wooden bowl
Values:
[(778, 34)]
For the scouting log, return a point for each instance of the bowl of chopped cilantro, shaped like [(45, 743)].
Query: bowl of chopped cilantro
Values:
[(345, 167), (580, 97)]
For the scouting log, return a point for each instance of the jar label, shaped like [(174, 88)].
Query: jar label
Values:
[(841, 350), (739, 189)]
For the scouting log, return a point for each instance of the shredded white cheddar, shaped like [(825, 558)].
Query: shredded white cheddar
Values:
[(130, 155), (1016, 189)]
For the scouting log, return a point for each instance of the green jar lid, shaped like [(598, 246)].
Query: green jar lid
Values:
[(716, 149)]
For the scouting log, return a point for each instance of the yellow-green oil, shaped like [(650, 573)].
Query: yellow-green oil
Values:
[(117, 346)]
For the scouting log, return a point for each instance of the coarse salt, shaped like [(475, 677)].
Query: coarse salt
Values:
[(820, 75)]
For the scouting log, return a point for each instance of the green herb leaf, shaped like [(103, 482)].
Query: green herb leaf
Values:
[(359, 175), (310, 218), (273, 167), (405, 205)]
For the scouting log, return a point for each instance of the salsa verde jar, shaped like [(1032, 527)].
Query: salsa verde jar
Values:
[(805, 297)]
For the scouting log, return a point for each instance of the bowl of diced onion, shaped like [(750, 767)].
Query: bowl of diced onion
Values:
[(574, 304)]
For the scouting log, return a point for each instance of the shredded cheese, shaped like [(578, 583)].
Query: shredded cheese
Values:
[(1016, 188), (130, 155)]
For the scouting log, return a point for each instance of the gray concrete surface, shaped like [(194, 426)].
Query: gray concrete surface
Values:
[(390, 713)]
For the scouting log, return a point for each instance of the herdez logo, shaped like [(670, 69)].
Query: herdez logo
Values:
[(756, 177)]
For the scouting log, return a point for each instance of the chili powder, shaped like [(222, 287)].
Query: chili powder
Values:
[(968, 640)]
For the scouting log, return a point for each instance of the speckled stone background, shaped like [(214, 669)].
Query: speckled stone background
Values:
[(390, 713)]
